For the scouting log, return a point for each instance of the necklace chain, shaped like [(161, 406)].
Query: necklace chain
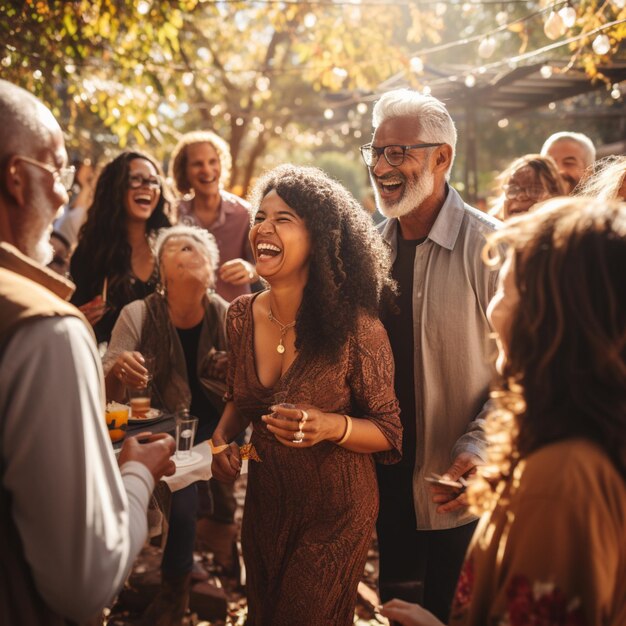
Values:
[(280, 348)]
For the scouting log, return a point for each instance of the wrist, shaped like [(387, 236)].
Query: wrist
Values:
[(218, 447), (347, 431), (338, 428)]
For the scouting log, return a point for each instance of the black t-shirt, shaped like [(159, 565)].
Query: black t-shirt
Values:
[(399, 327), (200, 407)]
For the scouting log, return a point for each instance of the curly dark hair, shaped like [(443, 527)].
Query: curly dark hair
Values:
[(103, 249), (350, 265), (565, 369)]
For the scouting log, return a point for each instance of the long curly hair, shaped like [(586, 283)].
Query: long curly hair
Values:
[(350, 266), (565, 369), (103, 247), (607, 180)]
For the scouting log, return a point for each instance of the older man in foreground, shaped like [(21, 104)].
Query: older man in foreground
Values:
[(71, 522)]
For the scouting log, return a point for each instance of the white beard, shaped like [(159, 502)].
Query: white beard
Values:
[(40, 219), (44, 252), (415, 192)]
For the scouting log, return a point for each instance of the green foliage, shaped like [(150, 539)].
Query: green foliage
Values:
[(279, 81)]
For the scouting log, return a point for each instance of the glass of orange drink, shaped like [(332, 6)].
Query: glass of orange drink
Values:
[(117, 420)]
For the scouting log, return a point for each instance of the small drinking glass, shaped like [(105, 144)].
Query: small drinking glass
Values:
[(149, 362), (280, 399), (186, 427), (139, 400)]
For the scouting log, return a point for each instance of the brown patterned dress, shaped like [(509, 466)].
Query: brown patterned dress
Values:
[(310, 513)]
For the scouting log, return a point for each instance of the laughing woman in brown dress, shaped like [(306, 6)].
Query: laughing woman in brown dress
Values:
[(312, 340)]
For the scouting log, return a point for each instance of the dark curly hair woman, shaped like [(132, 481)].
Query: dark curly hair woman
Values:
[(311, 347), (113, 263)]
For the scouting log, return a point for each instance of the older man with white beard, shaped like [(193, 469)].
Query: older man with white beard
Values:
[(439, 336)]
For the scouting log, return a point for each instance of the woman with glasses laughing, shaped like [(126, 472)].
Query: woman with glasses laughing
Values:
[(528, 180), (113, 263)]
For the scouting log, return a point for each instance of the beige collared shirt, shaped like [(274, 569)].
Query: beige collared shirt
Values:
[(453, 352)]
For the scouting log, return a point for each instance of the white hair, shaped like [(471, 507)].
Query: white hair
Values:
[(206, 240), (583, 140), (436, 125)]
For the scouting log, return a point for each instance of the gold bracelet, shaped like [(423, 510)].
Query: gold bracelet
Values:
[(215, 450), (348, 431)]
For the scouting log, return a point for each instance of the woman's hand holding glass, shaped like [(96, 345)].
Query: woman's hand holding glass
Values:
[(130, 368), (303, 426)]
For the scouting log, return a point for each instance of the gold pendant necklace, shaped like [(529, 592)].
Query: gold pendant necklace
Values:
[(280, 348)]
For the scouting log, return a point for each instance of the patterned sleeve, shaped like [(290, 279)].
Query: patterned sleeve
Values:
[(234, 325), (371, 377)]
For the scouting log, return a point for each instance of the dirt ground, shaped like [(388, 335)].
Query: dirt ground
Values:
[(143, 583)]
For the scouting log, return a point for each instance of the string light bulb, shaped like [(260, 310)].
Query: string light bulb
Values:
[(545, 71), (568, 15), (554, 26), (417, 65), (470, 80), (486, 47), (601, 44)]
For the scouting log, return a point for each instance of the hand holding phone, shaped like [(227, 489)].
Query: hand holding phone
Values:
[(437, 479)]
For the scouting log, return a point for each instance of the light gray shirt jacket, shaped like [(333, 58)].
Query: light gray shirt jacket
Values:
[(453, 352)]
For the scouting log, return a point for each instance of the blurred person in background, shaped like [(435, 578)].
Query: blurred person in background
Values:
[(68, 225), (608, 182), (573, 154), (526, 181), (113, 263), (550, 547), (199, 167)]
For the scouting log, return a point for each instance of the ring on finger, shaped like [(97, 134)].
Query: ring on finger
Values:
[(305, 417), (298, 437)]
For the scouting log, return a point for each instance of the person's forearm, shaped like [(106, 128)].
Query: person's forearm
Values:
[(115, 389), (231, 424), (364, 437)]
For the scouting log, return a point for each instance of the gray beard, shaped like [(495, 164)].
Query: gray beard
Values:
[(416, 191), (44, 252)]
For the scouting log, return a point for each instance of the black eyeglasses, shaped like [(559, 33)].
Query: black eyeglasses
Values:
[(515, 192), (394, 155), (135, 181), (65, 175)]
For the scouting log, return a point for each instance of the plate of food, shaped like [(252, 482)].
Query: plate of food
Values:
[(147, 417)]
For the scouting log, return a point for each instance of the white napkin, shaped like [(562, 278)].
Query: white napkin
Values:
[(201, 470)]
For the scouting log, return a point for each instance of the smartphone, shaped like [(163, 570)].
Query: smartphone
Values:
[(446, 482)]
